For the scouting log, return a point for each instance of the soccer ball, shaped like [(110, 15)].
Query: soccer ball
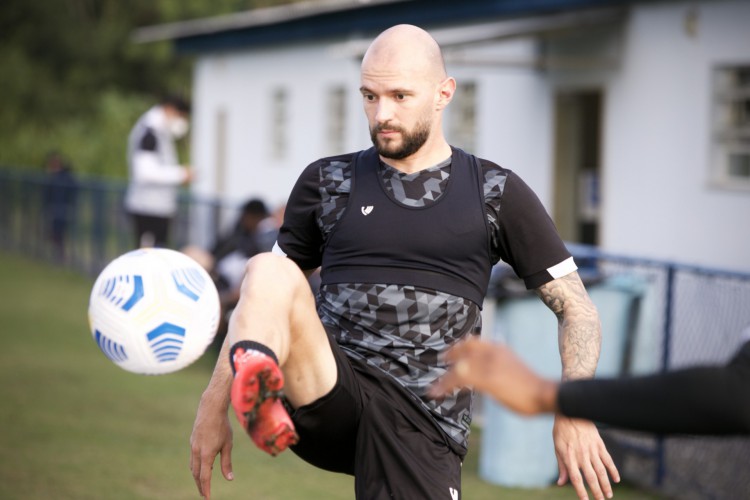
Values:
[(153, 311)]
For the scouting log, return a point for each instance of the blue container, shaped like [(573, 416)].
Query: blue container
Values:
[(518, 451)]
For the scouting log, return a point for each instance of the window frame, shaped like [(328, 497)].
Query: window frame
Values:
[(730, 126)]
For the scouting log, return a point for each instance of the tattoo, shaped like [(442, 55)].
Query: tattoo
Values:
[(579, 330)]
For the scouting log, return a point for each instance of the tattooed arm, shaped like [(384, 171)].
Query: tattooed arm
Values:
[(580, 451), (579, 330)]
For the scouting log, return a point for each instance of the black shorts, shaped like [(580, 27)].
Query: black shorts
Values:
[(372, 428)]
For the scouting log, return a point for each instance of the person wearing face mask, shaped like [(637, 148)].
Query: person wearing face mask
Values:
[(155, 174)]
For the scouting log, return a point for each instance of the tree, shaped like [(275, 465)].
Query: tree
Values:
[(73, 80)]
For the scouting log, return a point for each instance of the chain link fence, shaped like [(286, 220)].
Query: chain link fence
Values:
[(84, 225), (682, 316)]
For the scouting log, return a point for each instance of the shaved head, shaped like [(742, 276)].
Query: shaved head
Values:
[(406, 47), (405, 89)]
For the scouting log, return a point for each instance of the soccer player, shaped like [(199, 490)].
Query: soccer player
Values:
[(711, 400), (405, 234)]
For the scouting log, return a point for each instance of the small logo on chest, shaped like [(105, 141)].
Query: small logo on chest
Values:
[(367, 210)]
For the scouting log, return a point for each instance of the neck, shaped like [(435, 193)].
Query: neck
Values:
[(427, 156)]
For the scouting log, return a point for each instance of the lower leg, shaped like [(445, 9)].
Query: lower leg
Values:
[(268, 295), (275, 325)]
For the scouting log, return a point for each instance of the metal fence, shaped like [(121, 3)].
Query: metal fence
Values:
[(91, 224), (677, 315), (682, 316)]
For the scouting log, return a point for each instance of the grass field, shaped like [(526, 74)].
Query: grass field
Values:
[(74, 426)]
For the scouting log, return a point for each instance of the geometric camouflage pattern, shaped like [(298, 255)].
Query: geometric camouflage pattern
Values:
[(403, 330)]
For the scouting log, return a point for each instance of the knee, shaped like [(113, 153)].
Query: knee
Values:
[(274, 269)]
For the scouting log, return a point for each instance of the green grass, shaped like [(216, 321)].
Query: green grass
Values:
[(74, 426)]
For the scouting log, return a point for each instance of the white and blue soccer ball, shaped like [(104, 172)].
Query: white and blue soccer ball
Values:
[(153, 311)]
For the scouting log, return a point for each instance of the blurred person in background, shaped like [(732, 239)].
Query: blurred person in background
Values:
[(253, 232), (230, 254), (155, 174), (231, 251), (708, 400), (268, 229), (60, 194)]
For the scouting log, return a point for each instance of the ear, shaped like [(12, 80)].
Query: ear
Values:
[(445, 92)]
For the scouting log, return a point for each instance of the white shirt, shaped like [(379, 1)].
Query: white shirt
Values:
[(155, 175)]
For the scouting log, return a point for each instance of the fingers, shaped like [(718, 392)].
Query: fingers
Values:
[(583, 459), (597, 468), (445, 384), (608, 466), (226, 461), (460, 350), (460, 374), (574, 473), (590, 472), (563, 477), (599, 476), (201, 466), (592, 479), (195, 467), (204, 476)]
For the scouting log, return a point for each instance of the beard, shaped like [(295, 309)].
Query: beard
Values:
[(411, 140)]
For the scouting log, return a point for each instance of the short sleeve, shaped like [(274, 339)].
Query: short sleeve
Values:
[(527, 238), (300, 237)]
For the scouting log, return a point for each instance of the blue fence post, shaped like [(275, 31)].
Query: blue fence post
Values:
[(665, 355), (98, 226)]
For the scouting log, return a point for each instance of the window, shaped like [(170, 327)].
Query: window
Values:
[(463, 117), (731, 138), (279, 123), (336, 121)]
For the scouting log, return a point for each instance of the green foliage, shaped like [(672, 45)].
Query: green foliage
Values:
[(93, 141), (73, 80)]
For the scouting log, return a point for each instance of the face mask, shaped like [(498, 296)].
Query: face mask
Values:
[(178, 127)]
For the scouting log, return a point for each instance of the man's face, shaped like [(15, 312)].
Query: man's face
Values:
[(396, 142), (399, 108)]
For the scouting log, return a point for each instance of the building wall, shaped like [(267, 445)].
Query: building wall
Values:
[(655, 79), (513, 110), (243, 85), (659, 199)]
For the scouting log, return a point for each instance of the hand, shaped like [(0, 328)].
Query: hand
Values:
[(212, 435), (189, 175), (581, 454), (495, 370)]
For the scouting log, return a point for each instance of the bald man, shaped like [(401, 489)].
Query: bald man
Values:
[(405, 234)]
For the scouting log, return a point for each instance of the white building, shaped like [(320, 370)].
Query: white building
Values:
[(631, 120)]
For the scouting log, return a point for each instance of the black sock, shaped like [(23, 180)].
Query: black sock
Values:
[(250, 345)]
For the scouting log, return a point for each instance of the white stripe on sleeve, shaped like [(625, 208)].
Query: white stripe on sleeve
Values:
[(276, 250), (563, 268)]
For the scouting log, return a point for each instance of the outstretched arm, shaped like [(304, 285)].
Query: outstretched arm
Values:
[(708, 400), (579, 448), (212, 433), (711, 400)]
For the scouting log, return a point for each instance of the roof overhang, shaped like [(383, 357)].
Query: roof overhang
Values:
[(356, 20), (255, 18), (474, 34)]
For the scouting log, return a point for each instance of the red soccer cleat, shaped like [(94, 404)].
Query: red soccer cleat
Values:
[(256, 393)]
